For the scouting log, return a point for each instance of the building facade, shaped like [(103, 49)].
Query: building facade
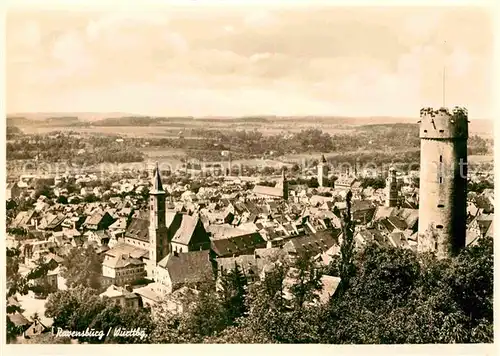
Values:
[(443, 181)]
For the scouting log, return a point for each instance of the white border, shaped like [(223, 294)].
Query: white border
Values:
[(79, 5)]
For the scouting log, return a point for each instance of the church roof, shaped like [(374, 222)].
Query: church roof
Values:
[(186, 231), (157, 185)]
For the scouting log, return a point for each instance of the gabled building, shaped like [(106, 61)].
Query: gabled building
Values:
[(99, 220), (179, 269), (120, 296), (244, 244)]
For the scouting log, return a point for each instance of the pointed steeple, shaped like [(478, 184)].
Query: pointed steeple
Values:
[(157, 186), (323, 159)]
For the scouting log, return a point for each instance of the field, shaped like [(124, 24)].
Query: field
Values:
[(189, 128), (271, 126)]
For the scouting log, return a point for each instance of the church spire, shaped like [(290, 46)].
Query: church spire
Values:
[(157, 186)]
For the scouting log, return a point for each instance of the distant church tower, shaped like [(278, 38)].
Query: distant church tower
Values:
[(443, 181), (284, 184), (322, 171), (391, 189), (159, 244)]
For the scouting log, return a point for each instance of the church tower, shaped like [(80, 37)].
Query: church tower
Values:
[(322, 171), (159, 244), (284, 184), (391, 189), (443, 181)]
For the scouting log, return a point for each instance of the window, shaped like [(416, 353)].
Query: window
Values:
[(439, 226), (425, 131), (440, 180), (440, 205), (441, 131), (441, 158), (435, 245)]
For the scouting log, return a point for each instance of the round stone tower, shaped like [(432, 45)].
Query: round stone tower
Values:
[(443, 181)]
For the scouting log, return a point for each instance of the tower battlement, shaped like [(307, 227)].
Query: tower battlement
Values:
[(443, 124)]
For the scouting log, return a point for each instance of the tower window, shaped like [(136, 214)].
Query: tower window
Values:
[(441, 131), (425, 131), (440, 206), (440, 180), (441, 158), (439, 226)]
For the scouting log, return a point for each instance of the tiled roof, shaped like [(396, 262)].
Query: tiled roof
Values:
[(373, 235), (123, 248), (55, 222), (484, 225), (121, 261), (237, 245), (18, 319), (362, 205), (185, 232), (224, 231), (138, 229), (149, 292), (345, 181), (119, 224), (115, 291), (246, 263), (95, 218), (383, 212), (270, 191), (188, 267), (410, 216), (329, 286), (397, 222), (312, 243), (170, 216)]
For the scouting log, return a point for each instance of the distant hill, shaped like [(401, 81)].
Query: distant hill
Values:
[(18, 121), (477, 126), (83, 116)]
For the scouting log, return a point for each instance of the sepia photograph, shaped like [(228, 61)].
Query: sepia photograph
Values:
[(249, 173)]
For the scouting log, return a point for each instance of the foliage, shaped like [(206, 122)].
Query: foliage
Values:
[(393, 296), (347, 268), (81, 308), (375, 183), (46, 338), (232, 293), (479, 187), (82, 266)]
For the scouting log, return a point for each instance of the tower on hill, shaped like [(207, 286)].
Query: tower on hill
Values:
[(322, 171), (443, 181), (158, 234)]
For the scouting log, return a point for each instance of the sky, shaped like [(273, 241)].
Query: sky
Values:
[(212, 61)]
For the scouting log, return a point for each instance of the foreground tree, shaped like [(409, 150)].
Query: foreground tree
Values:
[(81, 308), (232, 293), (347, 253), (82, 267)]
